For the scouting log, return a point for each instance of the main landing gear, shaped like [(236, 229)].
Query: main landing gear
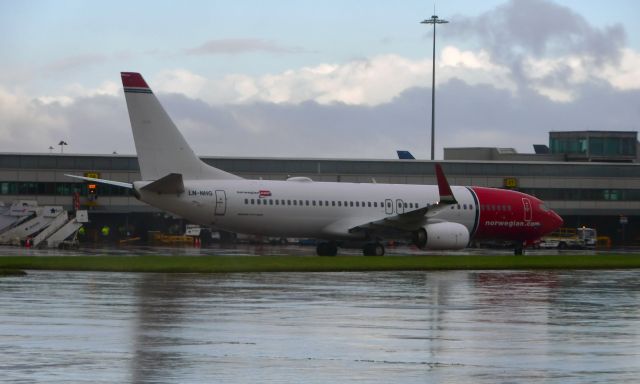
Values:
[(327, 249), (519, 249), (331, 249), (373, 249)]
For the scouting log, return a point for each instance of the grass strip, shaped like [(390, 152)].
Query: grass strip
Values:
[(229, 264), (11, 272)]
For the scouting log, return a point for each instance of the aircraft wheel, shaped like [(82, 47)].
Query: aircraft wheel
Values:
[(326, 249), (373, 249), (519, 250)]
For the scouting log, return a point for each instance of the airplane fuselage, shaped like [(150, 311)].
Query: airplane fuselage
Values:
[(327, 210)]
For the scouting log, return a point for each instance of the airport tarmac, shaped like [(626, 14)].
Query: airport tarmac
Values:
[(374, 327), (265, 249)]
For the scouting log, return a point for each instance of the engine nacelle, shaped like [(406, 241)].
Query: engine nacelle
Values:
[(444, 235)]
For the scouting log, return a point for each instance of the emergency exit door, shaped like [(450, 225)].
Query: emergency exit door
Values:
[(221, 203)]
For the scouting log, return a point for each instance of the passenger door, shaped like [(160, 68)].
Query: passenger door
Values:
[(221, 203)]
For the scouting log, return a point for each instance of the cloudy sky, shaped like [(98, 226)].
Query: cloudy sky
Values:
[(335, 78)]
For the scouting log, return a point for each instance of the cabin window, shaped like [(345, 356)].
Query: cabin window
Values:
[(288, 202), (320, 203), (333, 203), (270, 202), (246, 201), (306, 202), (300, 202), (351, 203), (406, 205), (253, 201), (357, 203), (277, 202), (375, 204), (313, 202)]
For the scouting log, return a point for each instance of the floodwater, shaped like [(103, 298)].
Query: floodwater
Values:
[(382, 327)]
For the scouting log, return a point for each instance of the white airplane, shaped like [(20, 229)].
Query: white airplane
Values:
[(438, 216)]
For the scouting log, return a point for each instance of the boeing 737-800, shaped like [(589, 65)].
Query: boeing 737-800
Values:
[(438, 216)]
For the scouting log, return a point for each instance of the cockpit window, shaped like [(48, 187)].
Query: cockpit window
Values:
[(544, 208)]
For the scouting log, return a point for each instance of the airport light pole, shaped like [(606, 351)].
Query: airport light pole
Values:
[(433, 20), (62, 143)]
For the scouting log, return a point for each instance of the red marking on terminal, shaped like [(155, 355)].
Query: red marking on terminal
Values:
[(133, 79)]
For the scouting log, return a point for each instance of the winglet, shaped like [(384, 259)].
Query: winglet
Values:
[(446, 195)]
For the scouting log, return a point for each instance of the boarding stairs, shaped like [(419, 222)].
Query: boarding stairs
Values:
[(15, 214), (67, 230), (55, 225), (24, 229)]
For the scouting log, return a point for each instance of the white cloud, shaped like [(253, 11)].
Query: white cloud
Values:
[(24, 122), (557, 78), (626, 75), (74, 91), (360, 82), (179, 81)]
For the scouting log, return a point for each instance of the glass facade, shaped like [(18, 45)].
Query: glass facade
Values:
[(310, 167), (32, 188), (594, 144), (583, 194)]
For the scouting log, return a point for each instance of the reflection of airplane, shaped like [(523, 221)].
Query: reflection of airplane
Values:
[(340, 214), (405, 155)]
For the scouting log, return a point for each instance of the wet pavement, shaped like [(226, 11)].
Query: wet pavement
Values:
[(265, 249), (381, 327)]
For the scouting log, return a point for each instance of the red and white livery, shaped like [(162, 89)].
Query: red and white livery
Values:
[(337, 214)]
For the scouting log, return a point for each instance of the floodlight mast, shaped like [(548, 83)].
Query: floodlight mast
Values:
[(433, 20)]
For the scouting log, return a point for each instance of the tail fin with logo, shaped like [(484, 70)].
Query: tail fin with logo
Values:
[(161, 148)]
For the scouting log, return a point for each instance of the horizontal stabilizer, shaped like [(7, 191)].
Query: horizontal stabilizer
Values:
[(103, 181), (170, 184)]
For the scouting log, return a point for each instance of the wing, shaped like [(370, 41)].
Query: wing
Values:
[(103, 181), (416, 219)]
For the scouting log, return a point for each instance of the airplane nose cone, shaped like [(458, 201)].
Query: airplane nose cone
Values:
[(556, 221)]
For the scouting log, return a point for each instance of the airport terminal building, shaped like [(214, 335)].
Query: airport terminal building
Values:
[(584, 191)]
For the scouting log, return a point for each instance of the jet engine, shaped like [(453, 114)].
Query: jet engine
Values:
[(445, 235)]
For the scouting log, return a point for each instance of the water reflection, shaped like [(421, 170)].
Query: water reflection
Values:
[(321, 327)]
